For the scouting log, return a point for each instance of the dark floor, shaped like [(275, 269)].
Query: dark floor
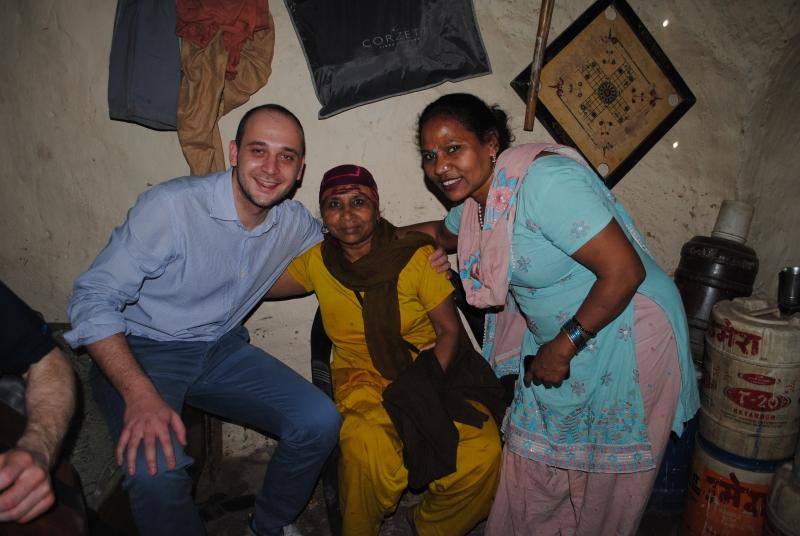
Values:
[(241, 476)]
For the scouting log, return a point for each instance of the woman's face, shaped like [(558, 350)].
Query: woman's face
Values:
[(351, 218), (456, 160)]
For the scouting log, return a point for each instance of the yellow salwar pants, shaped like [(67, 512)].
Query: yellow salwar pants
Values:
[(372, 476)]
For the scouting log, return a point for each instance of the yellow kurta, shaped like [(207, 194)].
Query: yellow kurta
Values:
[(371, 473)]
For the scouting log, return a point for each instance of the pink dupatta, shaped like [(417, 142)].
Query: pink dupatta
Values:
[(484, 254)]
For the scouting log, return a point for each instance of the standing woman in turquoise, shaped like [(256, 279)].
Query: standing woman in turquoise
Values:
[(594, 328)]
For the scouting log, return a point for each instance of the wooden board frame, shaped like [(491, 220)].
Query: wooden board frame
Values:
[(657, 99)]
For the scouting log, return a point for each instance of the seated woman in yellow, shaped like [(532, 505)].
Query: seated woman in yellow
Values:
[(381, 301)]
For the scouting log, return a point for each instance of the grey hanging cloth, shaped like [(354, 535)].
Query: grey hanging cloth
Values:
[(144, 73), (361, 51)]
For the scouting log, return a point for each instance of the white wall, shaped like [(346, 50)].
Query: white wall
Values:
[(68, 174)]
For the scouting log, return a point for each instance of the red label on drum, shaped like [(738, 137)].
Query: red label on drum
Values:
[(757, 379), (755, 400)]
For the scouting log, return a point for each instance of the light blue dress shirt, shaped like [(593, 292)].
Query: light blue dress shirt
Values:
[(182, 266)]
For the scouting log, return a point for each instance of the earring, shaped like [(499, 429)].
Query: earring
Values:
[(324, 229), (493, 160)]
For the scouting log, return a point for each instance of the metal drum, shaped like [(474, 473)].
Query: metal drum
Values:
[(751, 380), (715, 268), (710, 270)]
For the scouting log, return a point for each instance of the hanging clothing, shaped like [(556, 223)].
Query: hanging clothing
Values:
[(199, 21), (144, 71), (226, 56)]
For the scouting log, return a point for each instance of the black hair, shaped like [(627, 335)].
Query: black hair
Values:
[(277, 108), (474, 114)]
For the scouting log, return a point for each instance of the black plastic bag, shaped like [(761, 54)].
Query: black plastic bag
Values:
[(361, 51)]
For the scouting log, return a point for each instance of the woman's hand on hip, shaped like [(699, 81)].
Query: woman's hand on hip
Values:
[(550, 365)]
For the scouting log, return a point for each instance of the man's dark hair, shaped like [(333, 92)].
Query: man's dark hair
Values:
[(277, 108)]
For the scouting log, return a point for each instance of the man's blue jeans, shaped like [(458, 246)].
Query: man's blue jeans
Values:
[(233, 379)]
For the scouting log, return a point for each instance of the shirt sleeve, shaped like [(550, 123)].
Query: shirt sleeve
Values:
[(312, 229), (24, 335), (453, 219), (567, 207), (433, 286), (139, 249), (299, 269)]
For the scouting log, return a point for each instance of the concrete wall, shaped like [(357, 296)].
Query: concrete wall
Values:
[(68, 174), (770, 177)]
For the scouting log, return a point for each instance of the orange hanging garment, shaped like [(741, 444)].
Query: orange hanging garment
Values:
[(226, 56)]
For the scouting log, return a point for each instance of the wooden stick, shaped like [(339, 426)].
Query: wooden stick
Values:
[(545, 14)]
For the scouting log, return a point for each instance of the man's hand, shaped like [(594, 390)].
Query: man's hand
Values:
[(439, 261), (25, 489), (147, 419)]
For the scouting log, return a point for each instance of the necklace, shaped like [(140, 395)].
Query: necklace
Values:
[(480, 215)]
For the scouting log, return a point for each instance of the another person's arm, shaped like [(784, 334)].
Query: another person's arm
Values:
[(437, 230), (446, 324), (294, 281), (25, 487), (140, 249), (444, 232), (434, 293), (285, 287)]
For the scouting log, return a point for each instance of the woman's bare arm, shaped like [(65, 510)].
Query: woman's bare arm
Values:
[(619, 271), (446, 324), (436, 230)]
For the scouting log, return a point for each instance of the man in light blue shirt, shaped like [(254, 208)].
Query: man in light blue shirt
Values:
[(160, 311)]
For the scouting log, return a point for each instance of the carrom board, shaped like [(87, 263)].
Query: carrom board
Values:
[(608, 89)]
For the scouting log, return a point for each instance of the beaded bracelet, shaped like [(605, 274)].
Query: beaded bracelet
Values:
[(576, 333)]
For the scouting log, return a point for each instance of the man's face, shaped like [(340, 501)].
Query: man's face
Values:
[(267, 164)]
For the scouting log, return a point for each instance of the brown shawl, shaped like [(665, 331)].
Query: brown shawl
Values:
[(376, 274)]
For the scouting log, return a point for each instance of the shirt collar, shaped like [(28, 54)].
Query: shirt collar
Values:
[(223, 206)]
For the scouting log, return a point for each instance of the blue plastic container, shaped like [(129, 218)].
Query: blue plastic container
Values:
[(669, 490)]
